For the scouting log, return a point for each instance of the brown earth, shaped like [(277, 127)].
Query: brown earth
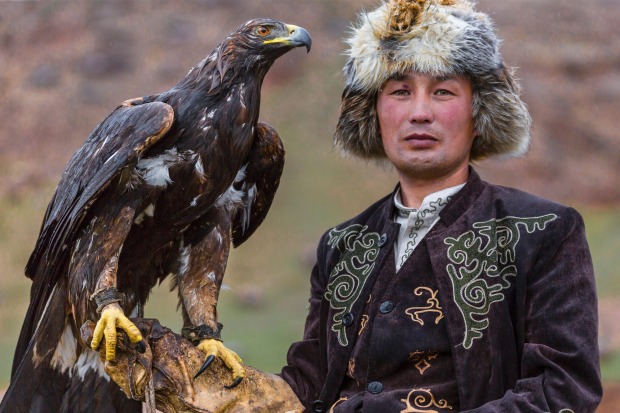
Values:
[(65, 64)]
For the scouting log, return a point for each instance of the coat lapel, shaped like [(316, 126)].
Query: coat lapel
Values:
[(362, 249)]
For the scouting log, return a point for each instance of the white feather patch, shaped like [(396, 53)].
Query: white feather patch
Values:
[(89, 360), (64, 355), (211, 276), (155, 171), (247, 211), (149, 211), (242, 98), (194, 201), (219, 237), (199, 167), (184, 260), (232, 198)]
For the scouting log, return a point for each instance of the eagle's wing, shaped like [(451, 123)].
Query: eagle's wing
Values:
[(261, 180), (116, 143)]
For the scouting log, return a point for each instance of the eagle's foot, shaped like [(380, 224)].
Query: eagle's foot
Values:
[(215, 348), (112, 317)]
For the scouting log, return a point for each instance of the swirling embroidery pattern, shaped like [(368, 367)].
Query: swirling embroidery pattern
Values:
[(433, 306), (478, 258), (433, 207), (347, 279), (423, 399)]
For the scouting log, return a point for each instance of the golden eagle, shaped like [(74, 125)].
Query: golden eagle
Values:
[(162, 186)]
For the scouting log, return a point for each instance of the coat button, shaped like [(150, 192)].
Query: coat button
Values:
[(386, 307), (383, 240), (347, 319), (375, 387), (318, 406)]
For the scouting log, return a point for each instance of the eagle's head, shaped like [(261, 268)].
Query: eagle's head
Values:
[(264, 40), (245, 55)]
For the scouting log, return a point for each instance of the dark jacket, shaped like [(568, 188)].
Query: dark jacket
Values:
[(515, 281)]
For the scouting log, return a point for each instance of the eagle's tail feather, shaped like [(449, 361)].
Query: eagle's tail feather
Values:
[(56, 374)]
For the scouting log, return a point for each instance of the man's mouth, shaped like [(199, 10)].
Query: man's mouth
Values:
[(420, 140), (420, 137)]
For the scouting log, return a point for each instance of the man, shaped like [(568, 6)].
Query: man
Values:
[(450, 294)]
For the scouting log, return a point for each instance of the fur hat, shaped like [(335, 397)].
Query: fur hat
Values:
[(439, 38)]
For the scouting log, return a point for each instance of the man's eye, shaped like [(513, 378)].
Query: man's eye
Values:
[(400, 92), (443, 92), (263, 31)]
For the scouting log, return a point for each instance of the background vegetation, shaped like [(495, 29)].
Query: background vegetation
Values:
[(64, 65)]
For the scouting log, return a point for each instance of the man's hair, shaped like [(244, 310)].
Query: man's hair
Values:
[(442, 38)]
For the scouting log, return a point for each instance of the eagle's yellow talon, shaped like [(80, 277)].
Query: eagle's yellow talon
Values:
[(112, 317), (215, 348)]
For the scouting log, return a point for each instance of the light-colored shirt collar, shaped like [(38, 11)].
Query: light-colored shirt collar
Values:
[(435, 198), (416, 223)]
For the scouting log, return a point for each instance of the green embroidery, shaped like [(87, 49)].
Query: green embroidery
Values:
[(490, 251), (347, 279)]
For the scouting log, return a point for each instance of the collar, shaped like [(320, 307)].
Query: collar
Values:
[(460, 203), (433, 203), (464, 199)]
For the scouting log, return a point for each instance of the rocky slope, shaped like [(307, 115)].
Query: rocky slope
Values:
[(65, 64)]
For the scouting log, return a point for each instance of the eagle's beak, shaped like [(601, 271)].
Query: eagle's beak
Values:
[(297, 36)]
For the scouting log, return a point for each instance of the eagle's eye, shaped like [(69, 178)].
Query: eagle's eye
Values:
[(263, 31)]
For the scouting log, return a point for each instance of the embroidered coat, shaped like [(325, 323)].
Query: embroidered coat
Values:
[(515, 284)]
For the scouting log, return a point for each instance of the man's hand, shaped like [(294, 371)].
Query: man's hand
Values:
[(215, 348), (112, 317)]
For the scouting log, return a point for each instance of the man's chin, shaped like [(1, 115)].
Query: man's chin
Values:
[(429, 170)]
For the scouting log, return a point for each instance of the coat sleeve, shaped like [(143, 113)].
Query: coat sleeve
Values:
[(306, 360), (560, 365)]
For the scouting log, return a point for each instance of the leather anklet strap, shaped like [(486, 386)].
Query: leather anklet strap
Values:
[(198, 333), (107, 296)]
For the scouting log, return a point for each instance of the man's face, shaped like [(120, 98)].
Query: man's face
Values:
[(426, 124)]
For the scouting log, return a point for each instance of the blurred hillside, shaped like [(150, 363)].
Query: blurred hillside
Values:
[(64, 65)]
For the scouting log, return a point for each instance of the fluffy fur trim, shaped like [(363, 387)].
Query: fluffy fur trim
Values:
[(435, 37)]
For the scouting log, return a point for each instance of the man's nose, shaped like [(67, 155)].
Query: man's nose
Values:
[(420, 111)]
